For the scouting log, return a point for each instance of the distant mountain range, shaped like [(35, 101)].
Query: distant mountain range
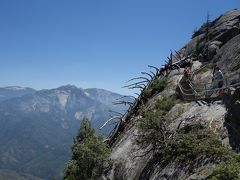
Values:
[(37, 127), (12, 175), (14, 91)]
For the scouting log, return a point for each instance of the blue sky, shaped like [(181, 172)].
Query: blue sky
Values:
[(94, 43)]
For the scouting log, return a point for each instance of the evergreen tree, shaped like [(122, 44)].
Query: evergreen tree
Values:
[(85, 131), (89, 154), (207, 34)]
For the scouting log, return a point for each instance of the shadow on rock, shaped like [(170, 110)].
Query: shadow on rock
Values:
[(232, 120)]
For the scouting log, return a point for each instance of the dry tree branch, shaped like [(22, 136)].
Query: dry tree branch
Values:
[(154, 74), (137, 94), (137, 83), (156, 69), (139, 86), (123, 102), (148, 74), (115, 117), (178, 55), (111, 111), (138, 78), (132, 97)]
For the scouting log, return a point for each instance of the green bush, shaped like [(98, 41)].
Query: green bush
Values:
[(165, 104), (89, 155), (157, 86), (153, 124), (197, 49), (147, 92), (226, 170), (185, 145), (193, 142)]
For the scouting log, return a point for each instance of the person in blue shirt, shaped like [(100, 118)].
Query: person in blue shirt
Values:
[(219, 77)]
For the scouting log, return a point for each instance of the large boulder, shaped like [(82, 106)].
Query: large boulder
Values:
[(228, 58), (232, 122), (222, 24), (234, 109), (220, 31)]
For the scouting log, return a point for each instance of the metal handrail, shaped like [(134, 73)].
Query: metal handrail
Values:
[(183, 89), (192, 86), (202, 90)]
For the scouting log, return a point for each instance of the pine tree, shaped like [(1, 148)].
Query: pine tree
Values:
[(207, 34), (88, 154), (85, 131)]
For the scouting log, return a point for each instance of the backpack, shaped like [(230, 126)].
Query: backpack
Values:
[(219, 75)]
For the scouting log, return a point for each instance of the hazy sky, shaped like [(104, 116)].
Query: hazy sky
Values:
[(94, 43)]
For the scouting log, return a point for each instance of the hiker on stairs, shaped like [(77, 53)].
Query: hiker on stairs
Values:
[(219, 80), (187, 72)]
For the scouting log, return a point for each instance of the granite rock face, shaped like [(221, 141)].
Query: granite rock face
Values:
[(221, 48), (213, 35)]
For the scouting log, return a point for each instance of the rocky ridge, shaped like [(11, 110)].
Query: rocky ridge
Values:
[(215, 43)]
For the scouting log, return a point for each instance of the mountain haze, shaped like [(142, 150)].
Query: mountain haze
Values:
[(14, 91)]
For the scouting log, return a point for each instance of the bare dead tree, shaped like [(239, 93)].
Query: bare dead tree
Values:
[(137, 83), (133, 106), (175, 66), (137, 94), (138, 78), (161, 72), (132, 97), (113, 134), (178, 55), (111, 111), (113, 123), (123, 102), (154, 74), (115, 117), (156, 69), (169, 61), (148, 74), (138, 86)]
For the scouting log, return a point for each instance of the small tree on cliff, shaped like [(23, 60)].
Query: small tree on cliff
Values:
[(88, 154)]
